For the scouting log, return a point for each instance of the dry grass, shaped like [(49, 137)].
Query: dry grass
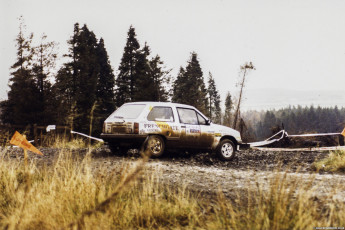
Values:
[(335, 162), (70, 194), (61, 141), (289, 203)]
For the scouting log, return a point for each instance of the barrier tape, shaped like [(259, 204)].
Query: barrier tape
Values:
[(270, 140), (315, 134), (84, 135), (332, 148)]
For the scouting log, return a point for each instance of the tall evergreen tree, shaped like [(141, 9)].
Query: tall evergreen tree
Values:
[(105, 95), (179, 87), (85, 84), (151, 81), (87, 77), (215, 112), (194, 90), (44, 62), (65, 87), (161, 79), (228, 108), (142, 81), (21, 106), (139, 78), (125, 80)]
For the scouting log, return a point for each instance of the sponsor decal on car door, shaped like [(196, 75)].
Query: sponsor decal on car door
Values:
[(190, 129), (161, 121)]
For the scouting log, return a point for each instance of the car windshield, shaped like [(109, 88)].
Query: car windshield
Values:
[(131, 111)]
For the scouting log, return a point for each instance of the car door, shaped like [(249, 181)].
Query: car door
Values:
[(206, 132), (161, 120), (190, 129)]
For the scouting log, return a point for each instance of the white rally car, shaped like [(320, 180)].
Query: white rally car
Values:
[(167, 126)]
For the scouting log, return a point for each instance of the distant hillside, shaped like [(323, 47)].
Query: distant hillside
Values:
[(264, 99)]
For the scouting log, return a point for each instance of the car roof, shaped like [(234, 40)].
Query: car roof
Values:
[(157, 103)]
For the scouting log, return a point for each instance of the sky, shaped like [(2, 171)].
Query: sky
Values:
[(296, 45)]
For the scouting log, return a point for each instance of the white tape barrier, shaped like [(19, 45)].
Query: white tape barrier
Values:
[(333, 148), (315, 135), (269, 140), (84, 135), (285, 134), (261, 143)]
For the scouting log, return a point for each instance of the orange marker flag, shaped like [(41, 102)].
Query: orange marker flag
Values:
[(343, 132), (21, 141)]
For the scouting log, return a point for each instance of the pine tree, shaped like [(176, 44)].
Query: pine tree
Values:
[(269, 122), (161, 79), (139, 78), (179, 87), (44, 62), (190, 86), (143, 81), (65, 87), (215, 112), (105, 96), (125, 80), (85, 84), (87, 77), (228, 109), (21, 106)]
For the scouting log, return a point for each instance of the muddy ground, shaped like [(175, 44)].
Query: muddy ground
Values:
[(206, 175)]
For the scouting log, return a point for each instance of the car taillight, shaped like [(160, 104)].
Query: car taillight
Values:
[(136, 128)]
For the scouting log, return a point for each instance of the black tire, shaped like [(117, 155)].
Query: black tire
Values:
[(226, 150), (116, 150), (155, 146)]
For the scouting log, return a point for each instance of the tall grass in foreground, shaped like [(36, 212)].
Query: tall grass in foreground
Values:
[(70, 194), (289, 203)]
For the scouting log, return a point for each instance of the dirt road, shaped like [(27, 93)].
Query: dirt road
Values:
[(206, 174)]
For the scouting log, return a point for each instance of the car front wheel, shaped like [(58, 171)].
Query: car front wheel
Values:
[(226, 150), (155, 146)]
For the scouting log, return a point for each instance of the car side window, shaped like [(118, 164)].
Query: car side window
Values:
[(202, 121), (187, 116), (161, 114)]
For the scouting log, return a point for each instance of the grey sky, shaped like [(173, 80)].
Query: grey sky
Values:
[(298, 45)]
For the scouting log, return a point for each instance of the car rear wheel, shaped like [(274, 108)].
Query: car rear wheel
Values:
[(155, 146), (226, 150)]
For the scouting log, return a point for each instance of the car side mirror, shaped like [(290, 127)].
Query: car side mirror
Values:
[(208, 122)]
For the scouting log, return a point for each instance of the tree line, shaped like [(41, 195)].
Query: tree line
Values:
[(295, 120), (85, 90)]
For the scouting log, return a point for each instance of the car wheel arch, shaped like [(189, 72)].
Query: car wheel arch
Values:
[(231, 138)]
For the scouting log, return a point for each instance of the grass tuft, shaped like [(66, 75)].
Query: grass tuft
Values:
[(335, 162)]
